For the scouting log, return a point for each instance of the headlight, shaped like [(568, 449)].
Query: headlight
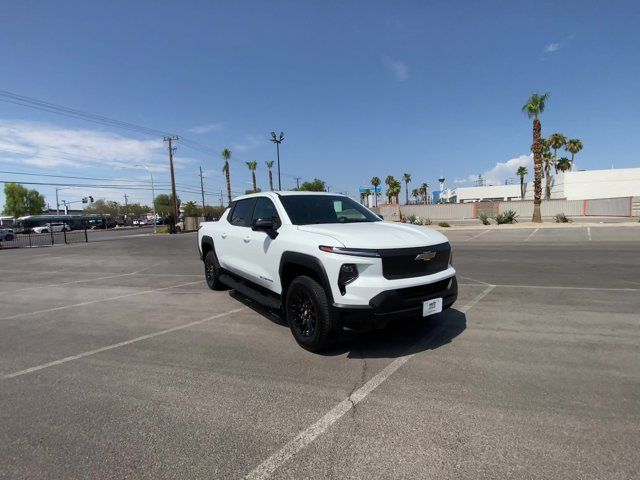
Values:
[(348, 273)]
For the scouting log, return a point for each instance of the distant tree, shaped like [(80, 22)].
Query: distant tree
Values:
[(367, 193), (522, 171), (105, 207), (375, 181), (20, 201), (251, 190), (226, 154), (424, 191), (252, 167), (191, 209), (573, 146), (415, 193), (164, 204), (269, 167), (564, 164), (210, 212), (406, 178), (534, 108), (316, 185), (556, 141)]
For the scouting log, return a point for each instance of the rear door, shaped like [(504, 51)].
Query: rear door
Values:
[(234, 235)]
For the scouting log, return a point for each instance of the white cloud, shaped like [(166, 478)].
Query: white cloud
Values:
[(46, 146), (250, 141), (398, 68), (552, 47), (501, 172), (206, 128)]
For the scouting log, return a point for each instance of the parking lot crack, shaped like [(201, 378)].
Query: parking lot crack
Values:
[(359, 384)]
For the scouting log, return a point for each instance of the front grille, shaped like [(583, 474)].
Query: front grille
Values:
[(402, 263), (421, 292)]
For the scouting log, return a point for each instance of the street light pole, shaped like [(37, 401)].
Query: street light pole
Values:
[(278, 141), (153, 195)]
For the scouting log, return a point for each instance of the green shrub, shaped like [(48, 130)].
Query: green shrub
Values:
[(163, 229), (444, 224), (561, 218), (507, 217), (484, 219), (410, 219), (426, 221)]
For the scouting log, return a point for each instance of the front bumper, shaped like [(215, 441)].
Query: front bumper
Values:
[(394, 304)]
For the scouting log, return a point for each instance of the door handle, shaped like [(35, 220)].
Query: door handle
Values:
[(223, 235), (247, 239)]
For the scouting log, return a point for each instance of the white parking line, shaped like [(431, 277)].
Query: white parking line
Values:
[(559, 287), (589, 233), (116, 345), (532, 234), (304, 438), (476, 236), (73, 282), (91, 302)]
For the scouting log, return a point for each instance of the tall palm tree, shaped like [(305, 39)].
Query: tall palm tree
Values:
[(375, 181), (389, 182), (573, 146), (394, 188), (367, 194), (564, 164), (252, 167), (406, 178), (522, 171), (556, 141), (226, 154), (534, 108), (269, 167), (547, 160)]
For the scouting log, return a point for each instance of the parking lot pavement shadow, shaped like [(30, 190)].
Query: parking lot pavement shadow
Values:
[(402, 337)]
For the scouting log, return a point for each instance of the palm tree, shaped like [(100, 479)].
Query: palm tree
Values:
[(406, 178), (375, 181), (394, 188), (534, 108), (522, 171), (252, 167), (564, 164), (389, 182), (424, 190), (269, 167), (226, 154), (367, 194), (556, 141), (547, 160), (573, 146), (415, 193)]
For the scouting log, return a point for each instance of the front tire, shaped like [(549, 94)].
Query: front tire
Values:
[(212, 271), (8, 238), (309, 315)]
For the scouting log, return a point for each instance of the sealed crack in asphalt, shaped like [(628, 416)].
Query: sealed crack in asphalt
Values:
[(363, 377)]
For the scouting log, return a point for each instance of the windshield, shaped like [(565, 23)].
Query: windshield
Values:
[(314, 209)]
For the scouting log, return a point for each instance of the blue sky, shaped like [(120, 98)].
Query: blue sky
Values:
[(359, 88)]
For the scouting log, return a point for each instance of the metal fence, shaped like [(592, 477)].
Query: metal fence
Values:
[(26, 240)]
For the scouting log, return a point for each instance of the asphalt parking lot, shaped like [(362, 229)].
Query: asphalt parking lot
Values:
[(116, 361)]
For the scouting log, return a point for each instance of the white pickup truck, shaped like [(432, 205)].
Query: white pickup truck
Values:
[(326, 262)]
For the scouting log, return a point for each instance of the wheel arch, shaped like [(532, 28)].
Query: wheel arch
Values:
[(206, 246), (294, 264)]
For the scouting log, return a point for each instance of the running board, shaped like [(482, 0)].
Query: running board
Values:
[(250, 292)]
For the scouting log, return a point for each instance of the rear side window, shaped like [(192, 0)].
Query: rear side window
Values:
[(241, 213)]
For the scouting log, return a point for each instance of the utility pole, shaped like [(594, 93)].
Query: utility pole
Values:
[(125, 208), (298, 182), (278, 141), (221, 198), (173, 180), (202, 190)]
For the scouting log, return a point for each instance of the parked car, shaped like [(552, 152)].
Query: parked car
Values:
[(7, 234), (327, 263), (51, 227)]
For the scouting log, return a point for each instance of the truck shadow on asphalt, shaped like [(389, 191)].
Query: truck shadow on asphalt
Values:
[(400, 338)]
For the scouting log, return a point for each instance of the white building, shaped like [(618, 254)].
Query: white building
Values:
[(581, 185)]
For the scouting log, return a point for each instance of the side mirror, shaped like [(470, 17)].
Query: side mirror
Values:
[(265, 225)]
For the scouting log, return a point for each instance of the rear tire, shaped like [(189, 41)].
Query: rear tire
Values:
[(212, 271), (309, 315), (8, 238)]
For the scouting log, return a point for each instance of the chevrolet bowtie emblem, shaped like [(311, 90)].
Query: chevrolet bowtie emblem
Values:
[(425, 256)]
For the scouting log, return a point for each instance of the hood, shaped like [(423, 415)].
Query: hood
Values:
[(377, 234)]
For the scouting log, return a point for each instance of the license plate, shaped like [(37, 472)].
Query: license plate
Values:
[(431, 307)]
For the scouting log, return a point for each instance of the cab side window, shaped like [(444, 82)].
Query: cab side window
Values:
[(241, 214), (265, 210)]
